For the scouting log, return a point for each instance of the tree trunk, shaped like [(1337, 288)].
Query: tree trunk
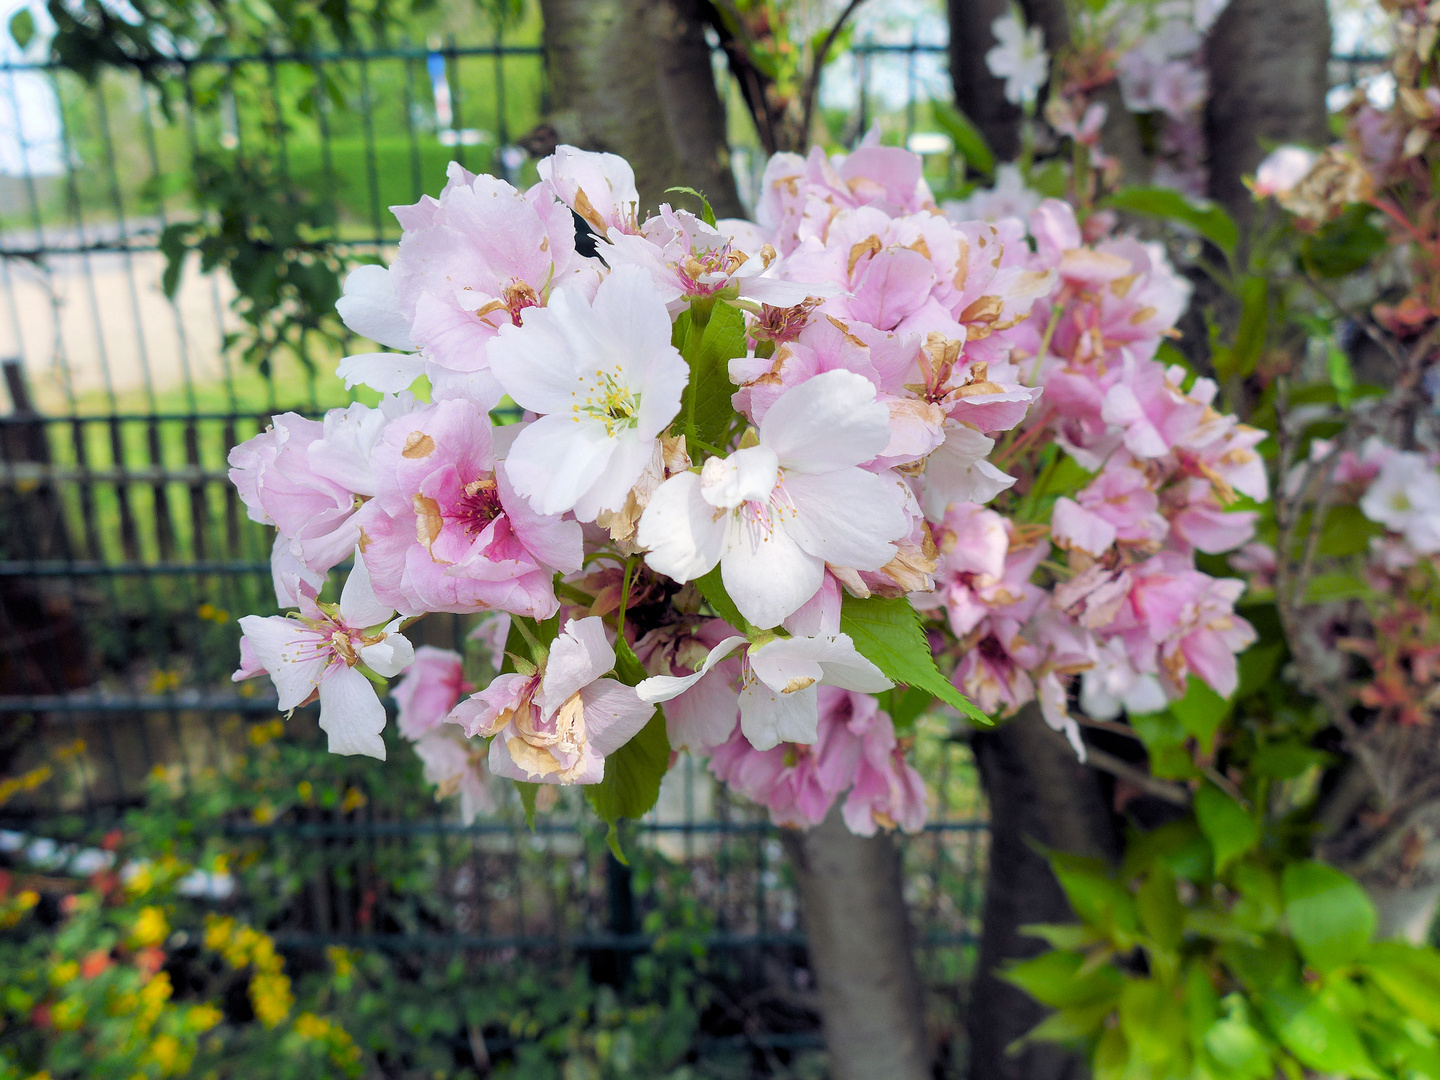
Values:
[(978, 94), (853, 907), (633, 77), (1038, 795), (1268, 62)]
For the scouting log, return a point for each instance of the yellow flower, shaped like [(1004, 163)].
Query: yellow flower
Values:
[(142, 879), (354, 799), (165, 1052), (218, 930), (263, 814), (60, 974), (261, 734), (310, 1026), (203, 1017), (150, 929), (68, 1014), (27, 899), (270, 997), (305, 790), (341, 960)]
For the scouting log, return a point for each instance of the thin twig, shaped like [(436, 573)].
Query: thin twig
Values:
[(812, 84)]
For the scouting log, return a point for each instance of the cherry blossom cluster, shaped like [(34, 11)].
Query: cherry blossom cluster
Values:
[(734, 436), (1128, 472)]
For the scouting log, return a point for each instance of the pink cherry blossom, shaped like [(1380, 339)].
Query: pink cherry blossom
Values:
[(557, 726), (430, 687)]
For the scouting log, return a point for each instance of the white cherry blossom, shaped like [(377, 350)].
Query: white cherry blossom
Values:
[(773, 515)]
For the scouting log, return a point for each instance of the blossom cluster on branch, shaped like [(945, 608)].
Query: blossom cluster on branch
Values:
[(750, 455)]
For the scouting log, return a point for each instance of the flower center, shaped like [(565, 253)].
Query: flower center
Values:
[(611, 402), (479, 505)]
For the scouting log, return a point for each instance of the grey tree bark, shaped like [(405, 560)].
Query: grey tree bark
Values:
[(1268, 63), (980, 95), (853, 907), (1039, 794), (633, 77)]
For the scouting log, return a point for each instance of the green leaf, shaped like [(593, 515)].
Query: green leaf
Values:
[(1091, 888), (1055, 979), (1201, 712), (1230, 830), (1235, 1044), (632, 777), (1153, 1020), (1342, 376), (528, 792), (712, 588), (886, 631), (1330, 917), (627, 664), (1071, 936), (22, 28), (1410, 975), (906, 705), (708, 347), (1335, 585), (1164, 738), (1346, 531), (1287, 760), (969, 141), (1112, 1056), (1161, 915), (1242, 357), (1257, 668), (1345, 245), (1259, 906), (1316, 1032), (1069, 1025), (1208, 219), (707, 214), (174, 245)]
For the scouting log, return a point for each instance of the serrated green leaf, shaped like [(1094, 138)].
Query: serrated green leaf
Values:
[(631, 784), (886, 631), (1230, 830), (1329, 915), (709, 336), (1208, 219)]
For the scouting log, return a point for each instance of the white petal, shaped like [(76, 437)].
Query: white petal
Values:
[(847, 518), (537, 363), (287, 650), (555, 460), (579, 656), (680, 531), (358, 605), (369, 307), (388, 372), (768, 719), (831, 421), (391, 655), (613, 714), (659, 688), (831, 659), (351, 714), (747, 475), (767, 574)]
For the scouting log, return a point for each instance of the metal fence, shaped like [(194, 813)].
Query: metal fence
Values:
[(125, 554)]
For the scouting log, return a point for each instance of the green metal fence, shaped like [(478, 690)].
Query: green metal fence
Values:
[(125, 555)]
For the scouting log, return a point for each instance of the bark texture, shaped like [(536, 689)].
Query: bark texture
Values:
[(633, 77), (1038, 795), (853, 907), (980, 95), (1268, 63)]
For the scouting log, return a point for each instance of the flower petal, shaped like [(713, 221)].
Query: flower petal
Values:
[(351, 714), (680, 530), (829, 422)]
